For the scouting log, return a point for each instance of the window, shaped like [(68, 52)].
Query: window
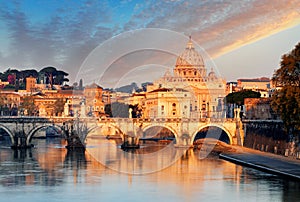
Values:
[(162, 108)]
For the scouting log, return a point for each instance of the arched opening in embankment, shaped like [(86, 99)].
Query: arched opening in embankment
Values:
[(6, 136), (212, 132), (158, 134)]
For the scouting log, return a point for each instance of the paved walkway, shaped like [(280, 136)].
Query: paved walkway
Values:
[(264, 161)]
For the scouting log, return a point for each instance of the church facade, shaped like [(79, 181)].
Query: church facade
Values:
[(188, 92)]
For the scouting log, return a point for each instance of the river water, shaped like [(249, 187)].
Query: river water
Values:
[(48, 172)]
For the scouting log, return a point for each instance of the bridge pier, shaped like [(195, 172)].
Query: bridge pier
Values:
[(184, 141), (20, 141)]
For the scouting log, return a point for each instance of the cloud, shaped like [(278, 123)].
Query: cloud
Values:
[(70, 32), (63, 41), (219, 26)]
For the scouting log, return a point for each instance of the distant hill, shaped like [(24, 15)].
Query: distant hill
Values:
[(127, 88), (131, 87)]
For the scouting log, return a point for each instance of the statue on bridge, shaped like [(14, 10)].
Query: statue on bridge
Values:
[(75, 132)]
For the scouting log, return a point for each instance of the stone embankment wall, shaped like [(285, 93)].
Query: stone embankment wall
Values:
[(269, 137)]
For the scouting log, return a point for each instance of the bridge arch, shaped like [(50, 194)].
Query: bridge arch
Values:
[(118, 130), (164, 126), (35, 129), (212, 125), (9, 132)]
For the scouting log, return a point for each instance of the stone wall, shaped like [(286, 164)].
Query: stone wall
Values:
[(269, 137)]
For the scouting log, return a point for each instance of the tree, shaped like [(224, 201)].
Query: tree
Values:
[(60, 77), (49, 72), (28, 105), (11, 78), (9, 86), (75, 86), (59, 106), (286, 99), (4, 75), (238, 97), (27, 73)]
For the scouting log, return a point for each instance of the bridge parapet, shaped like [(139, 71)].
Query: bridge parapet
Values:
[(183, 128)]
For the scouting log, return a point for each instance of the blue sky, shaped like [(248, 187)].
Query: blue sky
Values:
[(245, 38)]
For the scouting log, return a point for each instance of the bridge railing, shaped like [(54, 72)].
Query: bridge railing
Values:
[(129, 120), (165, 120)]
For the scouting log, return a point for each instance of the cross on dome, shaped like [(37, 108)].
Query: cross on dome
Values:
[(190, 43)]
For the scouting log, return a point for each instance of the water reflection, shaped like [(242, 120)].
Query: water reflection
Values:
[(188, 178)]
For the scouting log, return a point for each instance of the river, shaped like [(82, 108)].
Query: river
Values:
[(48, 172)]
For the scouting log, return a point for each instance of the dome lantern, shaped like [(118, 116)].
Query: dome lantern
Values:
[(190, 59)]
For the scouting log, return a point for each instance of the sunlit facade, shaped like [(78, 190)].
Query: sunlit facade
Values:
[(201, 94)]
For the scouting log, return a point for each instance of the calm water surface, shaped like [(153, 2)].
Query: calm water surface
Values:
[(48, 172)]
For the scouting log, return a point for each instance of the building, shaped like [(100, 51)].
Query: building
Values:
[(231, 87), (259, 108), (74, 99), (256, 84), (30, 84), (190, 81), (9, 103), (167, 103), (94, 100), (3, 83)]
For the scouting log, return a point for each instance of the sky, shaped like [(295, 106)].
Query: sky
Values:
[(242, 38)]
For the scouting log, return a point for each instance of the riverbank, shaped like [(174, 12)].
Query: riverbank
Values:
[(267, 162), (264, 161)]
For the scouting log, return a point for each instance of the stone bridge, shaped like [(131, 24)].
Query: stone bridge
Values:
[(22, 129), (184, 130)]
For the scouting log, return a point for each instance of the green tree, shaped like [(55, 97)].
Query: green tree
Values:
[(60, 77), (9, 86), (286, 99), (238, 97), (49, 73)]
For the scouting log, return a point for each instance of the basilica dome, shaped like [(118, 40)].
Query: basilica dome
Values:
[(190, 57)]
